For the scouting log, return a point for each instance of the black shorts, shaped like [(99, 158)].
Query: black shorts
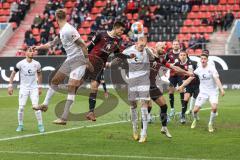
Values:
[(97, 73), (155, 92), (174, 80), (193, 90)]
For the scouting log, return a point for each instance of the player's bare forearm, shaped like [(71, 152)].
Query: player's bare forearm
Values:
[(178, 69), (187, 81), (46, 46), (12, 77), (83, 46), (39, 76), (219, 84)]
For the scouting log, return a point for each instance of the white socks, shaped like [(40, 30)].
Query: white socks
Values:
[(49, 95), (39, 117), (192, 102), (134, 115), (144, 112), (20, 115), (212, 117)]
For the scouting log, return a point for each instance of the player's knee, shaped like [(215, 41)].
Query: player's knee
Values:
[(21, 108)]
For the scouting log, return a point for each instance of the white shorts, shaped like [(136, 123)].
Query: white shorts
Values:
[(78, 73), (138, 88), (74, 67), (23, 96), (203, 97)]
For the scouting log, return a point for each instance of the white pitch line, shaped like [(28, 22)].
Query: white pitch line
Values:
[(61, 130), (98, 155)]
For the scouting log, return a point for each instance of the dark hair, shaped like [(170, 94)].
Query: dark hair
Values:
[(205, 53), (61, 14), (118, 24)]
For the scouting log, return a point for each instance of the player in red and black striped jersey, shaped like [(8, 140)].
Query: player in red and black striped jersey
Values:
[(102, 45), (172, 57), (192, 89), (155, 93)]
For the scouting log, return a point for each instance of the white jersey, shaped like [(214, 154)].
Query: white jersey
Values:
[(207, 82), (138, 66), (68, 36), (28, 73)]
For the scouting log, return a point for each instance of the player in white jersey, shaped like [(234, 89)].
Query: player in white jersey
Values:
[(30, 85), (209, 85), (74, 66), (138, 84)]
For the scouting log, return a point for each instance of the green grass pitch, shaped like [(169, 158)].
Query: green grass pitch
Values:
[(105, 140)]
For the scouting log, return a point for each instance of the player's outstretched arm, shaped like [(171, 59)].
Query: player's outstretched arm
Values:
[(10, 86), (219, 84), (185, 83), (180, 70), (46, 46)]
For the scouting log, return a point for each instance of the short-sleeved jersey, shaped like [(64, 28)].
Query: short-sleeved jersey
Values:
[(28, 73), (138, 66), (102, 45), (68, 36), (189, 65), (207, 82), (172, 57)]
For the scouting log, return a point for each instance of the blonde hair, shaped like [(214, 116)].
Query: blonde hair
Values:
[(61, 14)]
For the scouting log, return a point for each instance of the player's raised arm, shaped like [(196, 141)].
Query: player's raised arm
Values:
[(46, 46), (185, 83)]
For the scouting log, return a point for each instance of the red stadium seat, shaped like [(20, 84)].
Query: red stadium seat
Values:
[(10, 1), (201, 15), (95, 10), (192, 15), (188, 36), (6, 5), (88, 30), (202, 29), (99, 4), (180, 37), (223, 1), (236, 8), (55, 24), (135, 16), (206, 36), (196, 22), (1, 12), (184, 29), (204, 8), (193, 29), (85, 24), (198, 51), (208, 14), (188, 22), (231, 1), (3, 19), (1, 5), (212, 8), (152, 8), (129, 16), (190, 51), (81, 31), (6, 12), (209, 29), (195, 8)]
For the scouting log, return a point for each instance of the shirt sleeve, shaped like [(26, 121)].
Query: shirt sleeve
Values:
[(17, 67), (39, 67), (196, 71), (214, 72), (73, 35), (96, 38)]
